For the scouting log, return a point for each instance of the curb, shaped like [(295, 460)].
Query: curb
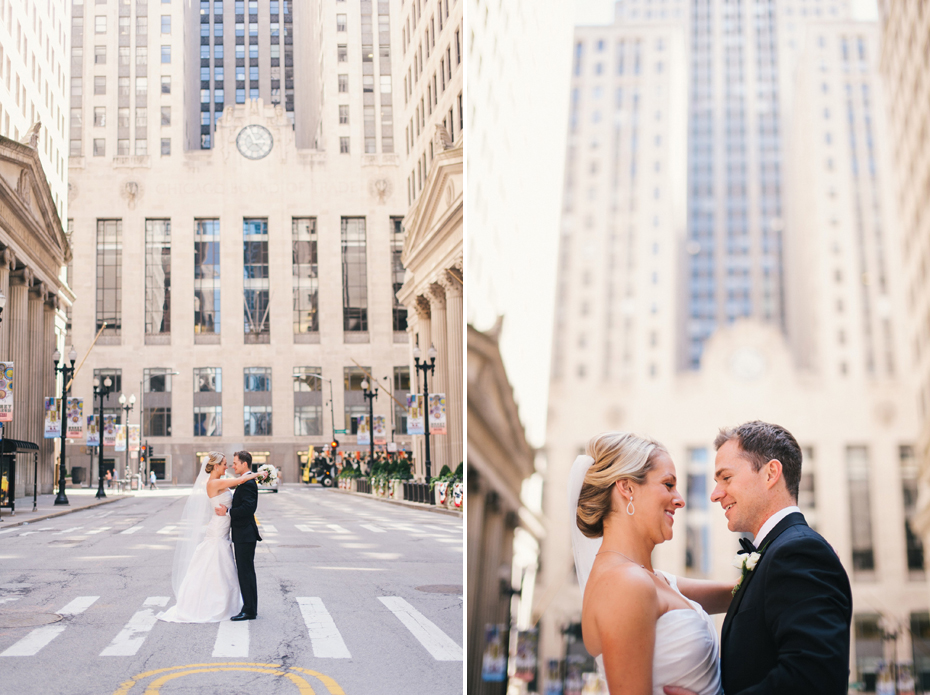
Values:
[(6, 524), (404, 503)]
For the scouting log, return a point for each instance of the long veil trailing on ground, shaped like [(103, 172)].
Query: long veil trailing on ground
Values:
[(198, 510), (584, 548)]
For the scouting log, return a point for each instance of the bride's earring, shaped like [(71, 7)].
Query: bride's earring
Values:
[(630, 509)]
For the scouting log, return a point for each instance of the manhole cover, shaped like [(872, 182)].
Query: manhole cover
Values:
[(441, 588), (297, 546), (27, 619)]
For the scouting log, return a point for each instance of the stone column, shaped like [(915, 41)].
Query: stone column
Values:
[(476, 511), (492, 552), (38, 369), (47, 446), (17, 313), (454, 383), (7, 260), (440, 379), (422, 341)]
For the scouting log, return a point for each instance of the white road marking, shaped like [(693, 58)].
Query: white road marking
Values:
[(232, 640), (337, 528), (68, 530), (131, 637), (373, 528), (130, 530), (11, 598), (382, 556), (447, 540), (269, 529), (38, 638), (304, 528), (10, 530), (324, 635), (167, 529), (436, 642), (99, 530)]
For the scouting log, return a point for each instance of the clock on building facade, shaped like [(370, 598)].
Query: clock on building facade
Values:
[(254, 141)]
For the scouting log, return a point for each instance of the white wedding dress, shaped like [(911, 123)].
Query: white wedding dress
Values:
[(687, 650), (209, 591)]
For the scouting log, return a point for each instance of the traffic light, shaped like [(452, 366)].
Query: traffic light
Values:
[(143, 456), (334, 445)]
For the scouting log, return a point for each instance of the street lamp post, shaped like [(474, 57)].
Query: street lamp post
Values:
[(126, 409), (101, 392), (426, 368), (370, 395), (66, 373)]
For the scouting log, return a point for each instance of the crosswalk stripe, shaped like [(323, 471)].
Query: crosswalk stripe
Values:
[(99, 530), (130, 530), (436, 642), (337, 528), (131, 637), (167, 529), (269, 528), (325, 639), (9, 599), (41, 636), (232, 640), (373, 528), (9, 530), (304, 527), (68, 530)]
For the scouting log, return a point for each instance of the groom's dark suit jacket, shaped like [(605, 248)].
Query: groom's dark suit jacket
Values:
[(242, 513), (787, 629)]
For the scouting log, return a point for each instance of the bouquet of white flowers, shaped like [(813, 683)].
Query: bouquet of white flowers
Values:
[(266, 474)]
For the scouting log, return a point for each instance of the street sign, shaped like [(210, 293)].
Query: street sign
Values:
[(339, 431)]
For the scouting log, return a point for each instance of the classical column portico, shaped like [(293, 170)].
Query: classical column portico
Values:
[(437, 296), (422, 339), (35, 429), (7, 260), (454, 374)]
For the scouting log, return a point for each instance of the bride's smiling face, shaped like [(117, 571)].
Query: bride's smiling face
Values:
[(221, 468), (656, 500)]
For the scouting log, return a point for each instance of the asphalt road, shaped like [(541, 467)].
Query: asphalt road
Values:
[(356, 596)]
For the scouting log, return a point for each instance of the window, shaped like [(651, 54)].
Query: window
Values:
[(207, 276), (398, 272), (166, 24), (157, 277), (76, 88), (165, 147), (77, 118), (354, 275), (142, 57), (257, 401), (166, 84), (342, 51), (860, 509), (343, 114), (166, 115), (344, 145), (100, 116), (142, 86), (156, 402), (99, 147), (340, 22), (142, 147), (255, 279), (109, 275), (401, 390), (122, 146), (142, 117), (308, 401), (306, 277), (343, 83), (697, 544), (909, 475), (100, 24), (355, 405), (100, 55), (208, 402), (165, 54)]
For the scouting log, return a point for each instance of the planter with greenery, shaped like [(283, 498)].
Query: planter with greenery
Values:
[(347, 477), (458, 490)]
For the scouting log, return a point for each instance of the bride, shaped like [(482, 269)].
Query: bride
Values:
[(648, 629), (204, 576)]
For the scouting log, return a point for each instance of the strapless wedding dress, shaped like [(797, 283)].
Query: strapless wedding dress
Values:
[(687, 651), (209, 592)]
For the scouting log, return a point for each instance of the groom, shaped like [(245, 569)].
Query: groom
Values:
[(244, 534), (787, 628)]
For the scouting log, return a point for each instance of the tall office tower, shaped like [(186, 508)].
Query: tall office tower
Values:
[(431, 75), (904, 64), (238, 238), (34, 73), (831, 371)]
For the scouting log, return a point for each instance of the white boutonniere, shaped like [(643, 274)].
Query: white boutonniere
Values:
[(747, 563)]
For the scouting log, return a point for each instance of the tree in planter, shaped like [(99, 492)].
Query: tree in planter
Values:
[(458, 487), (441, 483)]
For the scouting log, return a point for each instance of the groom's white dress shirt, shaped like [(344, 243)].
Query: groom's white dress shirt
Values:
[(771, 522)]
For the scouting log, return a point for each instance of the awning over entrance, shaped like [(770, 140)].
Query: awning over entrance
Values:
[(16, 446)]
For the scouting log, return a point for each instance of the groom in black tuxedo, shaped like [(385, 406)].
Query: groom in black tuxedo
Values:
[(787, 629), (244, 535)]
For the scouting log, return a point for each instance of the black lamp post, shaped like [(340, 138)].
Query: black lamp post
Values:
[(101, 392), (426, 368), (126, 409), (66, 373), (370, 395)]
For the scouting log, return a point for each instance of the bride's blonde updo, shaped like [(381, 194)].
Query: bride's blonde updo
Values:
[(214, 458), (617, 456)]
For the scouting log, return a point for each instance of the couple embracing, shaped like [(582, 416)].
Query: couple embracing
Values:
[(786, 630), (209, 583)]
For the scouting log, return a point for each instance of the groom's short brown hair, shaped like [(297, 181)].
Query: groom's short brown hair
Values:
[(761, 442), (244, 456)]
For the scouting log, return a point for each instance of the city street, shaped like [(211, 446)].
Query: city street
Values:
[(356, 596)]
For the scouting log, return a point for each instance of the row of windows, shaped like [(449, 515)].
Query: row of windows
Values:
[(308, 408), (256, 276)]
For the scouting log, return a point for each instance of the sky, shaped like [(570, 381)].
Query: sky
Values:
[(521, 284)]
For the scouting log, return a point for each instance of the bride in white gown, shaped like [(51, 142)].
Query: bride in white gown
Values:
[(204, 576), (647, 629)]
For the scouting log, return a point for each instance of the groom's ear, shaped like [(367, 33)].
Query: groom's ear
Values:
[(773, 473)]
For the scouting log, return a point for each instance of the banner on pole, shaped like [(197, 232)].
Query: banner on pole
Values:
[(6, 391), (525, 661), (93, 431), (109, 430), (379, 432), (364, 433), (120, 438), (494, 660), (52, 418), (437, 413), (75, 418), (134, 438), (415, 414)]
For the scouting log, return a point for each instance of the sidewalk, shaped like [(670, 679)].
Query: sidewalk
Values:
[(404, 503)]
